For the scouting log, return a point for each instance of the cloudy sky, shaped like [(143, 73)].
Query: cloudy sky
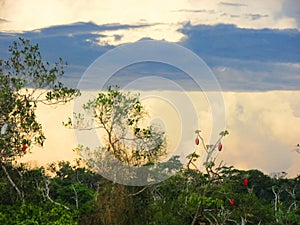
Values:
[(251, 47), (165, 16)]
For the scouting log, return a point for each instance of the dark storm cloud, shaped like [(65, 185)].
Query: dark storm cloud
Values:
[(248, 59), (241, 59), (229, 41), (77, 43)]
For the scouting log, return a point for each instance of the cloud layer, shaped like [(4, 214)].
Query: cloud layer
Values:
[(263, 128), (241, 59), (247, 14)]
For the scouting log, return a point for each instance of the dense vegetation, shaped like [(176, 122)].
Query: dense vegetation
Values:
[(76, 195), (73, 193)]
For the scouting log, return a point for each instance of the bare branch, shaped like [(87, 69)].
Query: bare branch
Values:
[(140, 191), (47, 182), (76, 196)]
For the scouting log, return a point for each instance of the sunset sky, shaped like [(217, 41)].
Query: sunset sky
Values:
[(251, 47)]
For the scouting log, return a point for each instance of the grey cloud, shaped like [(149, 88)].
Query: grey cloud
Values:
[(232, 4), (229, 41), (239, 109), (290, 8), (3, 20), (256, 16), (257, 76), (81, 28), (248, 59), (118, 37), (77, 43), (241, 59), (196, 11)]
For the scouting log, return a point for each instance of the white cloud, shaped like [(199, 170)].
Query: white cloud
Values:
[(263, 128)]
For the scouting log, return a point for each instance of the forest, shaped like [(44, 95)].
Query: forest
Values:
[(76, 192)]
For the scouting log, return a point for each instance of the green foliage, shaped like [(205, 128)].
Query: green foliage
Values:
[(29, 214), (25, 80), (177, 200), (74, 186), (120, 115)]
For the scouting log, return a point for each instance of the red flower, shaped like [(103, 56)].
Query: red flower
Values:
[(246, 182), (231, 202), (220, 146), (24, 147), (197, 141)]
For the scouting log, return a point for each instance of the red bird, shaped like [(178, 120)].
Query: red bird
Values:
[(220, 146), (231, 202), (197, 141), (24, 147), (246, 182)]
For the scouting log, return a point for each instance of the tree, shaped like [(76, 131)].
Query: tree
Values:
[(120, 116), (120, 119), (25, 81)]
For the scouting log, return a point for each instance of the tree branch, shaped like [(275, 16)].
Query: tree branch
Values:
[(21, 195), (140, 191), (76, 196), (47, 182)]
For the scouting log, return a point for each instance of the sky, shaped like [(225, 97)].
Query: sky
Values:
[(251, 48), (165, 16)]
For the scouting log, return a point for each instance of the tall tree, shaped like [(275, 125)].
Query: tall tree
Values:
[(25, 81), (119, 116)]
